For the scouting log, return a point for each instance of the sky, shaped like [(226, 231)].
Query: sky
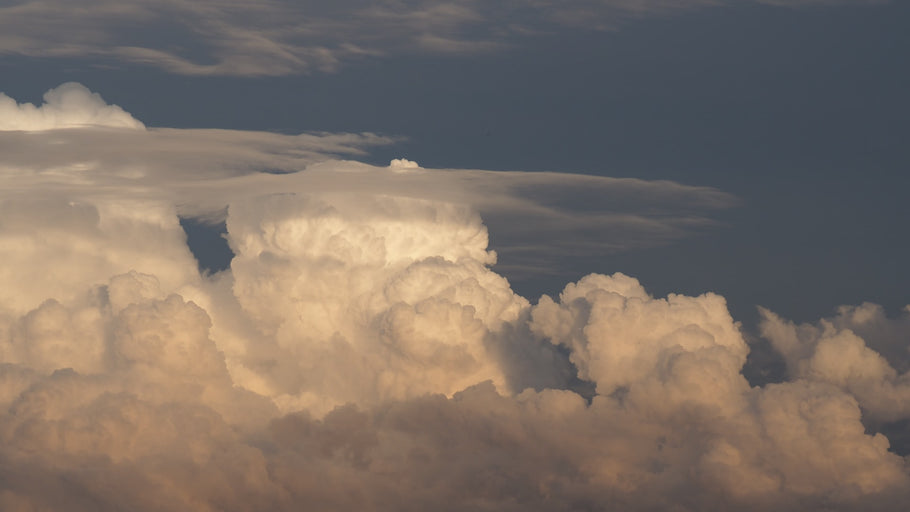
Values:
[(403, 255)]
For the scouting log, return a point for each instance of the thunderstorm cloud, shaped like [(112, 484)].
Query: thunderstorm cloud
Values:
[(360, 352)]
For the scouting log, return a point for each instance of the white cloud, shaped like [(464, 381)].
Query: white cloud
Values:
[(360, 353), (834, 352), (277, 37), (403, 163), (70, 105)]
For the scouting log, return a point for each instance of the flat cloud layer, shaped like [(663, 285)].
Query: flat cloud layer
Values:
[(360, 353), (278, 37)]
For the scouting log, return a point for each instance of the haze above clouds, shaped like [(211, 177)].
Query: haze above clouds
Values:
[(280, 37), (360, 352)]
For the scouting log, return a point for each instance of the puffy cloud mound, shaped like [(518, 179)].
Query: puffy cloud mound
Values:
[(360, 352), (153, 407), (836, 351), (403, 163), (67, 106), (395, 291)]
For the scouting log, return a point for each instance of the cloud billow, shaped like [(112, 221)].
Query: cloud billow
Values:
[(70, 105), (360, 353)]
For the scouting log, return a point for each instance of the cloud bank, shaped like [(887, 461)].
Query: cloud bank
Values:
[(360, 352), (279, 37)]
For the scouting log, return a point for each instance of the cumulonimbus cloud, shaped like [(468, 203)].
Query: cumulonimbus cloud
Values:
[(278, 37), (360, 353)]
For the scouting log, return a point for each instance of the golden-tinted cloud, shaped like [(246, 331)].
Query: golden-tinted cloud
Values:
[(360, 352)]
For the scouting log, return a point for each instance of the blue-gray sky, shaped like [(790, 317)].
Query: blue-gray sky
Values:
[(802, 112)]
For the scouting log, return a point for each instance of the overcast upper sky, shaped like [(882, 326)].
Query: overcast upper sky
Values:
[(377, 168)]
